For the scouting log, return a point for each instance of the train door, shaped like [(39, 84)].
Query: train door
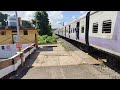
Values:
[(87, 28), (69, 31), (65, 31), (77, 30)]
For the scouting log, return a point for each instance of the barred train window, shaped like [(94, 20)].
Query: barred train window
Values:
[(95, 27), (82, 29), (106, 28)]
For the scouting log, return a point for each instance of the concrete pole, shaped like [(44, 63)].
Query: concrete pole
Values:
[(18, 36)]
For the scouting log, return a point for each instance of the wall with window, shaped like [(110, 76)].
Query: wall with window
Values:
[(26, 36), (67, 30), (82, 26), (102, 24), (73, 32), (74, 27)]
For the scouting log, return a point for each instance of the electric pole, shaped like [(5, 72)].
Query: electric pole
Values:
[(18, 43), (18, 36)]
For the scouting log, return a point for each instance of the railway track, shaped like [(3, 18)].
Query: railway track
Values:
[(105, 67)]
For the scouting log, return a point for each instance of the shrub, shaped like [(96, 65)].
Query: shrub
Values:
[(47, 39)]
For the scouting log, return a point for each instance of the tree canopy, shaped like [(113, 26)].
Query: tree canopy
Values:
[(26, 24), (3, 19), (41, 22)]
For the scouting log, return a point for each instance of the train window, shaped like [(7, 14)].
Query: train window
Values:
[(73, 30), (95, 27), (106, 27), (82, 29)]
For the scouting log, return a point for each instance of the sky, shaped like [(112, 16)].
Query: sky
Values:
[(56, 18)]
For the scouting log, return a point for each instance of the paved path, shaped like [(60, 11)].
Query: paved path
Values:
[(55, 55), (54, 62)]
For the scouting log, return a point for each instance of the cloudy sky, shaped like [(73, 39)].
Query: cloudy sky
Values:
[(55, 17)]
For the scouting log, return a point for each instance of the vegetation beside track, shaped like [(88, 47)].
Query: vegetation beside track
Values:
[(44, 39)]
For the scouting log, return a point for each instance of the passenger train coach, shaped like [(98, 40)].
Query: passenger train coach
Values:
[(98, 29)]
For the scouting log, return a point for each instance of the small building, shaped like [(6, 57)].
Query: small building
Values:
[(8, 35)]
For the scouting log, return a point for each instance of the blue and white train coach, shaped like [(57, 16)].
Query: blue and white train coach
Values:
[(99, 29)]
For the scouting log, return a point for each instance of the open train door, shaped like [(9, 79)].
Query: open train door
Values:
[(77, 30), (69, 31), (87, 28), (65, 31)]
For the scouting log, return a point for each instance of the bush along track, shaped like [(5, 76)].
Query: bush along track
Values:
[(44, 39)]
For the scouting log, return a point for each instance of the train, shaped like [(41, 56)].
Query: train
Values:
[(96, 29)]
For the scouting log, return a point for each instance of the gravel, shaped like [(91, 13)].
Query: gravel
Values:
[(101, 68), (107, 71)]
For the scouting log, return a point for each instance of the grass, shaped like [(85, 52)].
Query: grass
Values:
[(44, 39)]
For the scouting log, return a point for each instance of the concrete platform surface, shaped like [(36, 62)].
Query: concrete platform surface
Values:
[(54, 62), (54, 55)]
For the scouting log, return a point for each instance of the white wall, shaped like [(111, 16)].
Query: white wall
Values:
[(100, 17), (8, 52), (11, 68)]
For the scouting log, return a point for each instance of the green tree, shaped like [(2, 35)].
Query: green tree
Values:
[(26, 24), (50, 29), (3, 19), (41, 22)]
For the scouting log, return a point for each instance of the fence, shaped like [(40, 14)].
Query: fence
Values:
[(7, 51), (11, 64)]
